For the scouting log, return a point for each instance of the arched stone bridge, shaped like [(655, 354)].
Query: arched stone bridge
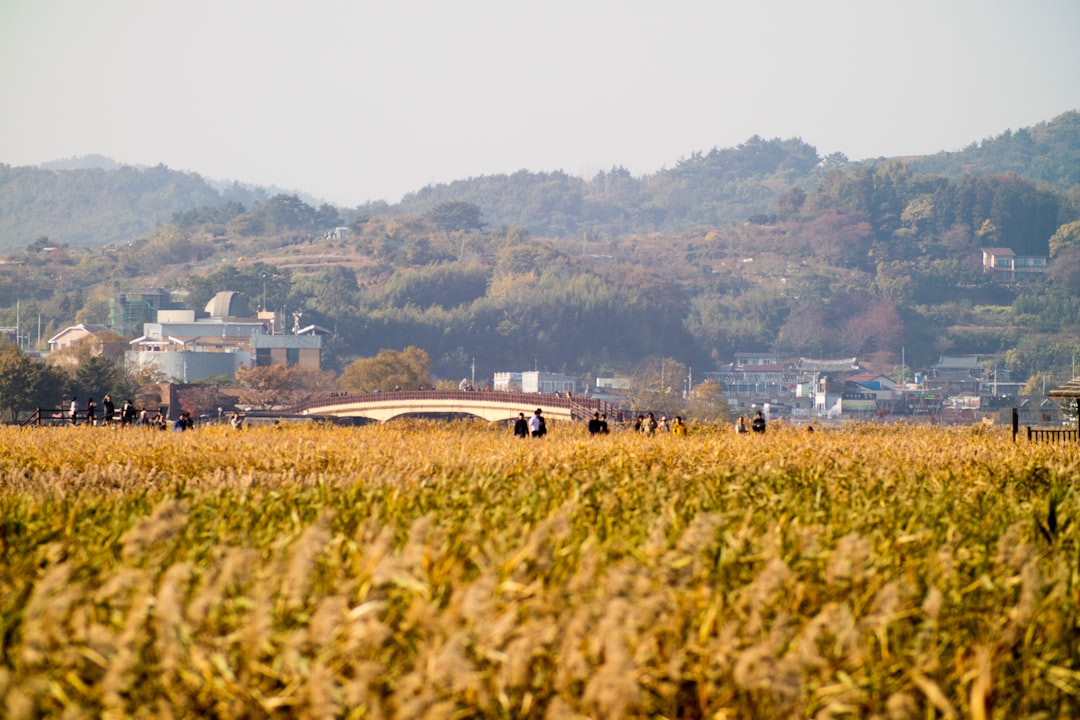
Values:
[(491, 406)]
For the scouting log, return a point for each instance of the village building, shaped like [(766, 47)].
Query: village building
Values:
[(185, 348), (535, 381)]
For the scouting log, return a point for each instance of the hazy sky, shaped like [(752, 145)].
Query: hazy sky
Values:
[(354, 101)]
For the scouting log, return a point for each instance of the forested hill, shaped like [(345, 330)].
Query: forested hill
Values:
[(755, 181), (96, 206), (1046, 153), (705, 190)]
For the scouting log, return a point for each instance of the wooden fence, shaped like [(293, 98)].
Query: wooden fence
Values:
[(1053, 435)]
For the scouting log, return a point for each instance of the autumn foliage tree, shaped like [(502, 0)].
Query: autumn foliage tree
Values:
[(706, 403), (280, 385), (389, 369)]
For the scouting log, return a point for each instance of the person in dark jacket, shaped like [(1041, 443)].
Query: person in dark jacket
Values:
[(521, 426), (758, 424), (108, 409)]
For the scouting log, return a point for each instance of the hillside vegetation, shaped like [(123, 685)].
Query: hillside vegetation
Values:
[(764, 246)]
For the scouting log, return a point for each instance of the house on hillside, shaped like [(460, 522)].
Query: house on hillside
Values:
[(1004, 260)]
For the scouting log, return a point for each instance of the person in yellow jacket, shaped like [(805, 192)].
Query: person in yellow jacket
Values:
[(678, 427)]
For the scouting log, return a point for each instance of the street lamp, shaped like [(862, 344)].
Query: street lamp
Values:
[(264, 293)]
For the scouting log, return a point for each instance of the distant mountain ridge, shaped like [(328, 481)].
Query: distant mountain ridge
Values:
[(84, 162), (94, 206), (94, 200)]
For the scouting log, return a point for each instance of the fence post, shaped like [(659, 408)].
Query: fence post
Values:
[(1015, 422)]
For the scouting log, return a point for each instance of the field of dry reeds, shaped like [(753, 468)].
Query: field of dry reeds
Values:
[(422, 570)]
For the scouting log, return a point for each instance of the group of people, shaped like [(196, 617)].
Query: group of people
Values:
[(757, 425), (535, 426), (598, 424), (647, 424), (126, 415)]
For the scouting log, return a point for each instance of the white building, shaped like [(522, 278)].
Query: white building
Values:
[(545, 382), (535, 381), (506, 382), (74, 334), (184, 349)]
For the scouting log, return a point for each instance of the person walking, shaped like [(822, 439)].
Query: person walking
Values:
[(678, 427), (537, 425), (73, 411), (740, 426), (595, 428), (108, 409), (91, 411), (521, 426), (184, 422)]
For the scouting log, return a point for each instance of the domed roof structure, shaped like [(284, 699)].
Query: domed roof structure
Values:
[(227, 303)]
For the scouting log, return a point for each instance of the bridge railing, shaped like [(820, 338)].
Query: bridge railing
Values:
[(579, 407), (47, 416)]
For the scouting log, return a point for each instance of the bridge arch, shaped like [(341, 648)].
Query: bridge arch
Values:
[(491, 406)]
